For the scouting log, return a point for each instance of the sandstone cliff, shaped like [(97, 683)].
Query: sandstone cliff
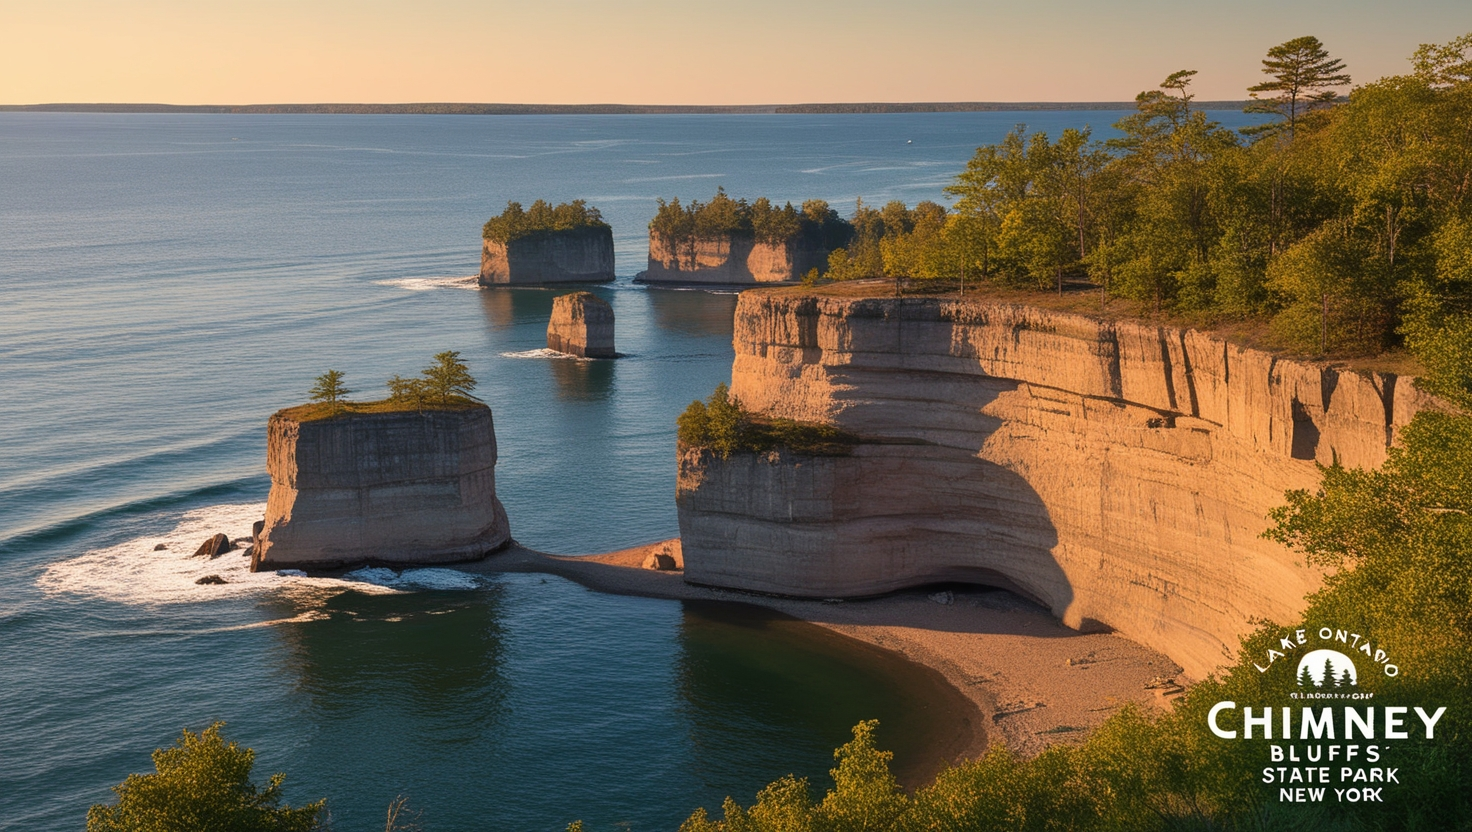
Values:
[(581, 325), (405, 487), (1118, 473), (581, 255), (732, 259)]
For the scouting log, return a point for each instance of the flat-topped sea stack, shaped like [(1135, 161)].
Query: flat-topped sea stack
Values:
[(581, 325), (563, 244), (728, 242), (1120, 474), (398, 487)]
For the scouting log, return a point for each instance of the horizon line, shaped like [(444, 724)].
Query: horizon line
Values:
[(451, 108)]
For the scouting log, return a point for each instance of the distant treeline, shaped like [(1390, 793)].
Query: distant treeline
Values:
[(515, 223), (592, 109), (984, 106), (679, 224)]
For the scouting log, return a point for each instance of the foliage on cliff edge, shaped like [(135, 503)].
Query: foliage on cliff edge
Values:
[(1344, 226), (446, 384), (723, 216), (721, 424), (516, 223)]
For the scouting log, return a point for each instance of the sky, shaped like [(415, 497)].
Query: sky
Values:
[(691, 52)]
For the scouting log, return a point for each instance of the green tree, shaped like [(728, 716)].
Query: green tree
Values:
[(448, 378), (1444, 65), (725, 420), (202, 783), (411, 391), (330, 390), (1303, 76)]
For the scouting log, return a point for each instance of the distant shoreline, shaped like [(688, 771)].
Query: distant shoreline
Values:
[(599, 109)]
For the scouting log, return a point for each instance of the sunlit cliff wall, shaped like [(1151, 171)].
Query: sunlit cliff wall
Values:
[(1118, 473)]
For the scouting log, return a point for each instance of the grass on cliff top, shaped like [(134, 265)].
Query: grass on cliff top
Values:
[(319, 411), (1084, 299), (721, 424)]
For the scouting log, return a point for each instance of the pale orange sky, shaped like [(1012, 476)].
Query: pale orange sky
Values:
[(663, 52)]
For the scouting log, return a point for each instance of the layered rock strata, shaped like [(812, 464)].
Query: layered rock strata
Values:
[(581, 325), (732, 259), (579, 255), (1118, 473), (397, 488)]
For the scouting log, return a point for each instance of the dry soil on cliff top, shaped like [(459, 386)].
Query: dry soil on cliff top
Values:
[(1033, 681)]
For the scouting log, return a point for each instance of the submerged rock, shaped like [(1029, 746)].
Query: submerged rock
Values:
[(581, 325), (214, 547)]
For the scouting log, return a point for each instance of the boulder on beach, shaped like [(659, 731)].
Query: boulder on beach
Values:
[(581, 325), (661, 562), (214, 547), (211, 579)]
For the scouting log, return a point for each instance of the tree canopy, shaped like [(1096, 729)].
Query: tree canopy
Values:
[(1346, 227), (202, 782), (542, 218), (722, 216)]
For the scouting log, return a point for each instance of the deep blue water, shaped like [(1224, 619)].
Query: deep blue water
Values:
[(166, 282)]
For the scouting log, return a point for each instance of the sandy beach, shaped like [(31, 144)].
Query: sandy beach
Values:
[(1032, 681)]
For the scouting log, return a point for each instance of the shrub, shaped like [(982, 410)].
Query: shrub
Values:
[(202, 783), (721, 424)]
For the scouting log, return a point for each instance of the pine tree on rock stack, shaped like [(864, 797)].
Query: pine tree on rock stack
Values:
[(567, 243), (409, 479)]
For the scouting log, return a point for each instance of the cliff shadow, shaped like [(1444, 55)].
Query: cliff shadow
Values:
[(694, 312), (935, 502), (747, 672)]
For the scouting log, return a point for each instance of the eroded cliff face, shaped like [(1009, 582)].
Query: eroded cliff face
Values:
[(399, 488), (1120, 474), (582, 255), (731, 259), (581, 325)]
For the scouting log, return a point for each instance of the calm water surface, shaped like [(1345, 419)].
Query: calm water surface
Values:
[(166, 282)]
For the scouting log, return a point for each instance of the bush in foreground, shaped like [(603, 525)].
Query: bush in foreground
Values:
[(202, 783)]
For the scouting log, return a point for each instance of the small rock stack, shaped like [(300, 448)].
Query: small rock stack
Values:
[(581, 325)]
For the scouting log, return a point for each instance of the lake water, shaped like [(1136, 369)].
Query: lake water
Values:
[(166, 282)]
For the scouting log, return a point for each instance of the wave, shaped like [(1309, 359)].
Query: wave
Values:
[(139, 573), (425, 284), (541, 353)]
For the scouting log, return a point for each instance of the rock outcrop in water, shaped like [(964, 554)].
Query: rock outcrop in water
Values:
[(732, 259), (403, 487), (1118, 473), (578, 255), (581, 325)]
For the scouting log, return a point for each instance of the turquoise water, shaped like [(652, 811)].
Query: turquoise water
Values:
[(166, 282)]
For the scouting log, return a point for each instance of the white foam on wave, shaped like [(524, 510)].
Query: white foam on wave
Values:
[(134, 572), (425, 284), (427, 578), (540, 353)]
